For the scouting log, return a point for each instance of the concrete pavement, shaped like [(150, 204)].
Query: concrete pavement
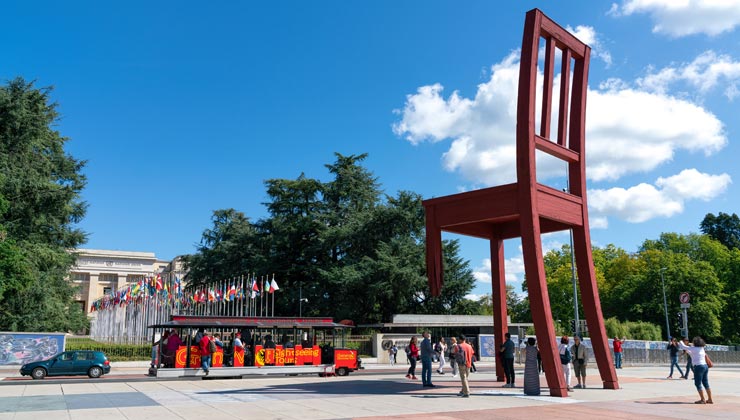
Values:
[(377, 392)]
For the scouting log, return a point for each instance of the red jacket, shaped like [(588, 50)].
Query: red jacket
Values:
[(204, 351), (617, 346), (414, 351)]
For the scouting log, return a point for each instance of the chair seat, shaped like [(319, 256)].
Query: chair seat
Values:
[(496, 210)]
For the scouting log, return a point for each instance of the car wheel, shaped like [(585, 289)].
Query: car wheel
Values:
[(38, 373), (95, 372), (342, 371)]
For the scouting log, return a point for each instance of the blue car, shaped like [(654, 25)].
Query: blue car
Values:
[(81, 362)]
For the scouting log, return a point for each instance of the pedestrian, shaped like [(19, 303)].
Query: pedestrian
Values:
[(531, 372), (173, 344), (392, 353), (689, 368), (617, 343), (702, 363), (412, 353), (580, 360), (205, 352), (507, 356), (453, 362), (440, 348), (673, 351), (426, 360), (565, 359), (464, 354)]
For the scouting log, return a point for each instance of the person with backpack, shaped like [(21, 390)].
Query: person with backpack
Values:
[(453, 363), (565, 359), (440, 348), (412, 353), (207, 347), (463, 354)]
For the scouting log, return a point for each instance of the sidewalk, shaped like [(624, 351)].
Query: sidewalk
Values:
[(378, 392)]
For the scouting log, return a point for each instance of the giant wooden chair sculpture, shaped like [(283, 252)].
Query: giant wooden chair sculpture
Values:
[(527, 209)]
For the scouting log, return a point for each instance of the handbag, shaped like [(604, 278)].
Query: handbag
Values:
[(708, 360)]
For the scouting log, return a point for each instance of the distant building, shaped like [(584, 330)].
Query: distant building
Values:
[(99, 272)]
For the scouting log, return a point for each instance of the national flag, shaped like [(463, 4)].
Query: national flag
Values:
[(158, 284), (136, 288), (211, 295), (232, 290), (255, 288), (178, 286), (273, 285), (267, 285)]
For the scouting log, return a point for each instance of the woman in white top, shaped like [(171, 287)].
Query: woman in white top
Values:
[(565, 358), (701, 370)]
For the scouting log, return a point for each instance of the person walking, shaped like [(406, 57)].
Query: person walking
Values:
[(412, 352), (565, 359), (205, 352), (507, 355), (453, 362), (689, 368), (618, 352), (464, 354), (580, 360), (392, 351), (673, 349), (440, 348), (531, 373), (701, 363), (426, 360)]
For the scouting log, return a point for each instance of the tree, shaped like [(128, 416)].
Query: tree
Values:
[(350, 251), (723, 227), (40, 204)]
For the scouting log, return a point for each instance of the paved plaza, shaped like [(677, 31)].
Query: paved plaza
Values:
[(377, 392)]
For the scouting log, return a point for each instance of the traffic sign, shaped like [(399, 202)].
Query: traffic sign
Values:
[(684, 298), (685, 305)]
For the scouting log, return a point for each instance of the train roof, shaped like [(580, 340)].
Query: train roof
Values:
[(191, 321)]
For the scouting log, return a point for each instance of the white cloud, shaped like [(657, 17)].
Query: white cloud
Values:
[(677, 18), (704, 73), (629, 130), (644, 201), (588, 36)]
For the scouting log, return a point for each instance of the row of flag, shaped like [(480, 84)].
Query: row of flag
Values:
[(169, 290)]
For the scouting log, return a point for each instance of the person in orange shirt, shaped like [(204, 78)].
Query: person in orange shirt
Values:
[(464, 367)]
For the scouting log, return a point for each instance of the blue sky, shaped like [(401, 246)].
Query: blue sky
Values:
[(182, 107)]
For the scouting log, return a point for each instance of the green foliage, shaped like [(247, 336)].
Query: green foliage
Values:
[(723, 227), (632, 330), (347, 250), (115, 352), (40, 204)]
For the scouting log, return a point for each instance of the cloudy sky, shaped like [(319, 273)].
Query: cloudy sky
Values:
[(182, 108)]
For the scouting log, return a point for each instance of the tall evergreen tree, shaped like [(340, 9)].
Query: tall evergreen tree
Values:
[(723, 227), (40, 189)]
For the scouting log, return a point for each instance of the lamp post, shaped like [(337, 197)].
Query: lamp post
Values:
[(665, 304)]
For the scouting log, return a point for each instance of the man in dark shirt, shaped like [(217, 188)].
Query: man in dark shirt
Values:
[(507, 356), (426, 360), (673, 349)]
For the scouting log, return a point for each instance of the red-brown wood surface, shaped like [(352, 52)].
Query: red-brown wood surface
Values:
[(527, 209)]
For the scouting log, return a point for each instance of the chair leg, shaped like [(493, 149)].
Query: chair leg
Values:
[(498, 286)]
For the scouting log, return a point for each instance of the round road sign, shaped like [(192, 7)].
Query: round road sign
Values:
[(684, 298)]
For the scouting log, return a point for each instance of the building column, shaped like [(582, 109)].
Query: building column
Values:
[(92, 291)]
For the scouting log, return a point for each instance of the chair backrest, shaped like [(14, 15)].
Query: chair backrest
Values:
[(569, 142)]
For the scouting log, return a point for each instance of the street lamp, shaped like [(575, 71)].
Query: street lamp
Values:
[(665, 304)]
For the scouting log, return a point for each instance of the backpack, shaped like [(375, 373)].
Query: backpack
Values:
[(211, 346), (460, 358), (565, 358)]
